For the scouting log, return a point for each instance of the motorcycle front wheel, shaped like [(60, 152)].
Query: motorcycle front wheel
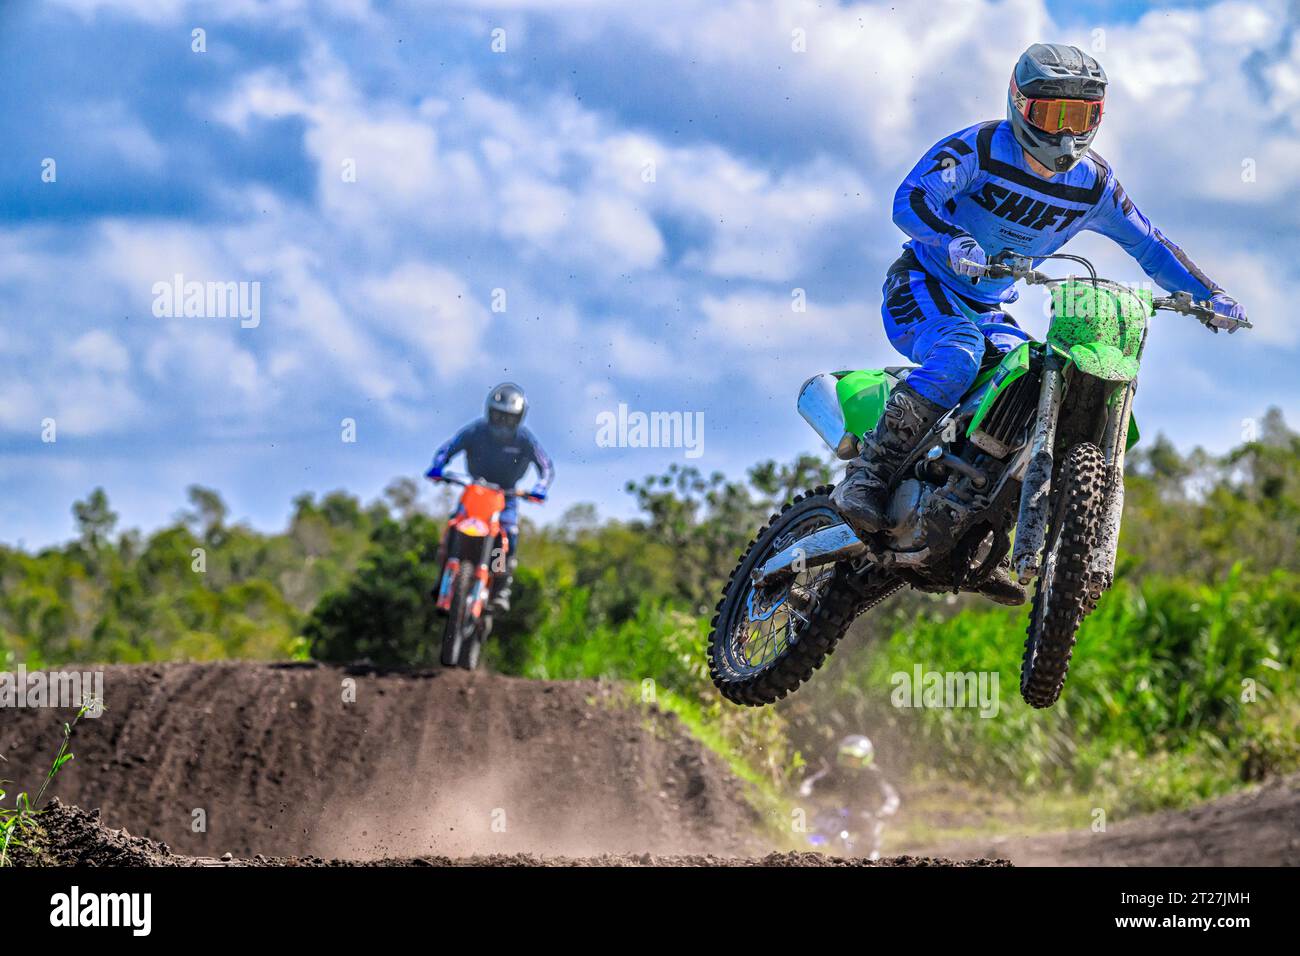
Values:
[(1062, 595), (458, 635)]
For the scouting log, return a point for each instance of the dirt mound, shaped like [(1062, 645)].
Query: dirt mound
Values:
[(1257, 827), (70, 836), (312, 761), (305, 765)]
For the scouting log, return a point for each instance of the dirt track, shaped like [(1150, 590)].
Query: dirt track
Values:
[(70, 836), (1258, 827), (449, 767), (444, 763)]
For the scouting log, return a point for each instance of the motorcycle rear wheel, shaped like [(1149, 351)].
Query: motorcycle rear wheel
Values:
[(766, 643), (471, 645)]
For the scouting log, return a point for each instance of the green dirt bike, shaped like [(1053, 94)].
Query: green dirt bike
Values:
[(1037, 445)]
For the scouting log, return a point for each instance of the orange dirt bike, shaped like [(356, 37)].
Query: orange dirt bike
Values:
[(473, 548)]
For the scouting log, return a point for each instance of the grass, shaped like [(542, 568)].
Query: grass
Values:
[(18, 820), (1178, 693)]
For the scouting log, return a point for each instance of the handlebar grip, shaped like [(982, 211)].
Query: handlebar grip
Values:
[(1202, 310)]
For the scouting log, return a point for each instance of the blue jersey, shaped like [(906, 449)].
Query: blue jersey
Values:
[(500, 462), (978, 183)]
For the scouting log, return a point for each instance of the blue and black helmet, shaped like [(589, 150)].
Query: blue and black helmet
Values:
[(1055, 102), (505, 408)]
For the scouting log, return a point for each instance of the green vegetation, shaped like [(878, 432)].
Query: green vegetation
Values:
[(17, 821), (199, 589), (1178, 690), (1185, 681)]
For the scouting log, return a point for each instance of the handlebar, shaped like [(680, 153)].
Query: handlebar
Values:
[(1019, 267), (466, 481), (1015, 270), (1203, 312)]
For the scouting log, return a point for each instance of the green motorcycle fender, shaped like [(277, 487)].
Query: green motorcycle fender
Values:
[(862, 396), (1104, 361), (1110, 364)]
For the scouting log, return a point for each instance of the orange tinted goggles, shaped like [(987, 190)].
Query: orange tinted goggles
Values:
[(1057, 116)]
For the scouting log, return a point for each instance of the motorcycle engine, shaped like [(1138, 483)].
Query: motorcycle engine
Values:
[(924, 515), (907, 528)]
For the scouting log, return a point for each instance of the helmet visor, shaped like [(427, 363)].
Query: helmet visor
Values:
[(1059, 115), (503, 420)]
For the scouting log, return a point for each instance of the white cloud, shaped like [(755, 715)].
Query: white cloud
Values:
[(221, 376), (430, 309), (100, 351), (771, 170)]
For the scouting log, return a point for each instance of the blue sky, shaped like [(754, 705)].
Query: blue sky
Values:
[(527, 170)]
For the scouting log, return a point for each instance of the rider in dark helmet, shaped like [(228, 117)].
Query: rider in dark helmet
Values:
[(1024, 186), (499, 449)]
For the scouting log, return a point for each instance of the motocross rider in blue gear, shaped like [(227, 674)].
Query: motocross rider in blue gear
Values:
[(499, 449), (1021, 186), (854, 797)]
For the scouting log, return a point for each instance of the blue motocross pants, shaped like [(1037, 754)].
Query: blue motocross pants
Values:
[(945, 333), (510, 522)]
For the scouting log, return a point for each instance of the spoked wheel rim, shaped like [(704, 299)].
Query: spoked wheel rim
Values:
[(768, 620)]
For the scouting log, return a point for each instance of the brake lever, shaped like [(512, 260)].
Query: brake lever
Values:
[(1203, 312), (1017, 267)]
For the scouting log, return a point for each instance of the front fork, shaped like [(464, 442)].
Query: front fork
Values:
[(1114, 443), (1036, 488), (451, 554), (444, 595)]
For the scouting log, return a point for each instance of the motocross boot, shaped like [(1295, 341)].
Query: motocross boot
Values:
[(860, 497), (501, 582), (1001, 587)]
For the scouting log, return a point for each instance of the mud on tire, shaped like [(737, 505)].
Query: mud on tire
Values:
[(838, 597), (1062, 591)]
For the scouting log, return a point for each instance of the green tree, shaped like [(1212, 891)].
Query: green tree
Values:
[(95, 520), (384, 613)]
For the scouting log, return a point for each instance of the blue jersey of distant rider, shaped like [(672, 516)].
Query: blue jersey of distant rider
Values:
[(500, 460)]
